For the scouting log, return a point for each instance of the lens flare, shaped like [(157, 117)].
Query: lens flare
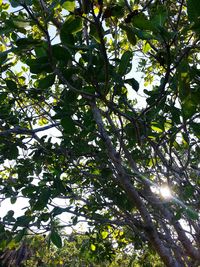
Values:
[(165, 192)]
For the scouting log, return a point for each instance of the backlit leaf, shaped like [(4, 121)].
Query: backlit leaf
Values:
[(69, 5), (92, 247), (156, 129), (104, 234)]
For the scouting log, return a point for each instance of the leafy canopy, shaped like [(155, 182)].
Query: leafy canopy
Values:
[(70, 69)]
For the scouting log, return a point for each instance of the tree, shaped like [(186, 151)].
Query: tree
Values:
[(69, 65), (75, 252)]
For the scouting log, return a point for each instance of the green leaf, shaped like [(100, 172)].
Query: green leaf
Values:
[(175, 112), (20, 235), (75, 220), (60, 53), (9, 216), (12, 86), (58, 210), (72, 25), (46, 82), (24, 42), (188, 107), (188, 192), (156, 129), (104, 234), (42, 200), (143, 35), (23, 221), (28, 2), (117, 11), (178, 214), (89, 89), (130, 33), (160, 17), (131, 37), (193, 215), (21, 24), (146, 47), (39, 65), (40, 51), (3, 96), (45, 217), (11, 152), (15, 3), (193, 9), (131, 132), (3, 57), (13, 200), (106, 173), (56, 239), (69, 96), (140, 21), (59, 186), (69, 5), (196, 128), (92, 247), (66, 38), (68, 125), (94, 33), (133, 83), (29, 190), (125, 63)]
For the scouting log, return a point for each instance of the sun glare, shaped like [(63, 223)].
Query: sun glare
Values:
[(165, 192)]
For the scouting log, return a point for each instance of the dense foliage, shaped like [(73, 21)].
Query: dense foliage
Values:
[(72, 126), (76, 252)]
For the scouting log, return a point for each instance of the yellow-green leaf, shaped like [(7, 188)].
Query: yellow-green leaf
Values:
[(146, 47), (69, 5), (104, 234), (156, 129), (92, 247)]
